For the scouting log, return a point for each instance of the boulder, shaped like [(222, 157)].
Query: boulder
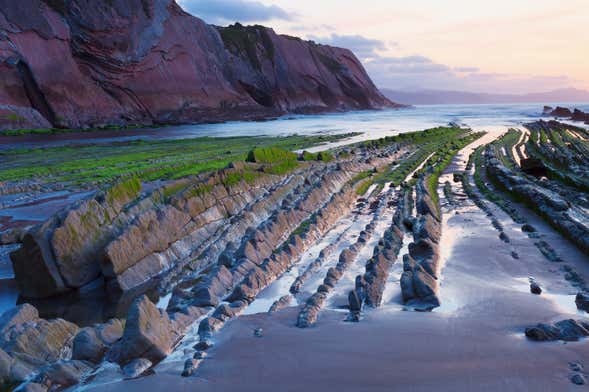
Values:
[(41, 341), (33, 387), (280, 304), (542, 332), (111, 331), (535, 288), (136, 367), (582, 301), (578, 379), (190, 367), (88, 346), (572, 330), (354, 301), (561, 112), (567, 330), (63, 374), (13, 319), (148, 333)]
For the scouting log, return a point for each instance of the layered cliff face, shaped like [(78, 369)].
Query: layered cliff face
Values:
[(78, 63)]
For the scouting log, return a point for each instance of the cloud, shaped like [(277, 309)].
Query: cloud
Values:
[(466, 69), (364, 48), (413, 73), (229, 11)]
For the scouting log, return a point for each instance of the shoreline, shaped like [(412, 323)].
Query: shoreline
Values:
[(459, 347)]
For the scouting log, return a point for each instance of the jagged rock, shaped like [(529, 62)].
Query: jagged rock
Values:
[(203, 345), (571, 330), (199, 355), (407, 288), (542, 332), (427, 228), (88, 346), (148, 333), (151, 232), (578, 379), (424, 284), (582, 301), (136, 367), (526, 228), (41, 341), (64, 252), (280, 304), (33, 387), (190, 367), (308, 316), (13, 370), (13, 319), (567, 330), (63, 374), (208, 326), (91, 343), (561, 112), (354, 301)]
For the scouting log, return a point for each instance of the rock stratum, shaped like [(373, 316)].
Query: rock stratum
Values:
[(79, 63)]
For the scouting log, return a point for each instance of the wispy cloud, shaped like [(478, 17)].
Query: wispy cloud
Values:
[(364, 48), (229, 11), (422, 73)]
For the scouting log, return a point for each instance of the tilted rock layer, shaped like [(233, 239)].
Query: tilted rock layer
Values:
[(78, 63)]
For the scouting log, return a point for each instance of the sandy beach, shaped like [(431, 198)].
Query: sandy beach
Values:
[(474, 341)]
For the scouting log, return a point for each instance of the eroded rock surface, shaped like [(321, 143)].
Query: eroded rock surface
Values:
[(147, 61)]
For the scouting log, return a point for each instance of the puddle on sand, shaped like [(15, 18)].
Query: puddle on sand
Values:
[(565, 303)]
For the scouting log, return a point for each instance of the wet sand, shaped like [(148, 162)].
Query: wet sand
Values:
[(474, 342)]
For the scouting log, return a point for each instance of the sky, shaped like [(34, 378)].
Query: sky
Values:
[(500, 46)]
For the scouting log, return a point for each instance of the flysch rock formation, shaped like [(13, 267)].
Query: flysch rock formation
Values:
[(209, 243), (369, 287), (419, 281), (77, 63)]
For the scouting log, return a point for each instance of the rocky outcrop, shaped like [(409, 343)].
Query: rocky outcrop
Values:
[(567, 330), (28, 342), (561, 213), (92, 343), (149, 333), (370, 286), (73, 63), (562, 112), (582, 301), (419, 281)]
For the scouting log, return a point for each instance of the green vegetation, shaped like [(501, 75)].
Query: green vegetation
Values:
[(55, 131), (324, 156), (241, 39), (270, 155), (124, 191), (506, 143), (479, 179), (13, 117), (439, 144), (95, 164), (362, 188)]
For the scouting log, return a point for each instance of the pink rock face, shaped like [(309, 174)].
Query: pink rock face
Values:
[(79, 63)]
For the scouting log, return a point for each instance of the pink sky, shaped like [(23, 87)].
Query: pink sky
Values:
[(513, 46)]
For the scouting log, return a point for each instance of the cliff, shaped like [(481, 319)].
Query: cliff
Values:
[(82, 63)]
